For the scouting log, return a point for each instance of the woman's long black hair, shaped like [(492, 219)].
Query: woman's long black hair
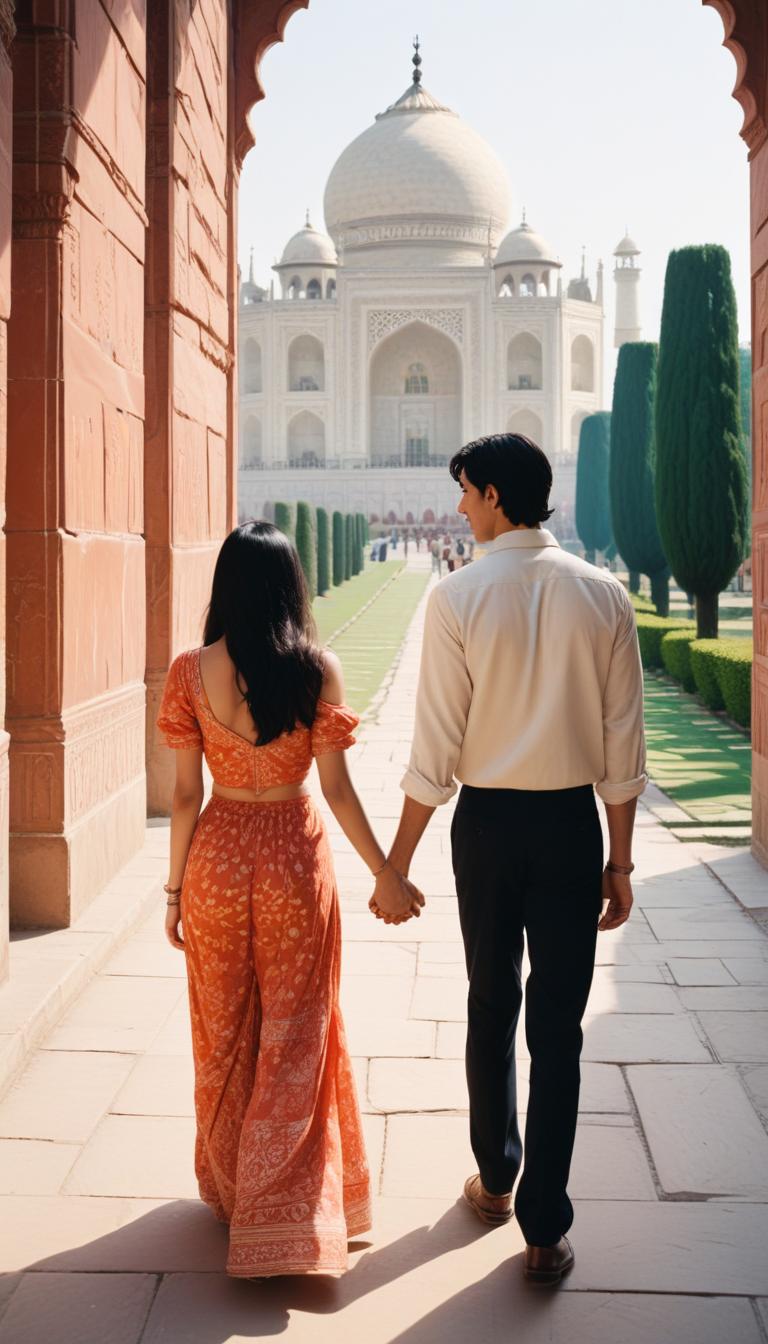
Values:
[(260, 605)]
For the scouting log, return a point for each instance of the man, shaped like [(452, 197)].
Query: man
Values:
[(530, 694)]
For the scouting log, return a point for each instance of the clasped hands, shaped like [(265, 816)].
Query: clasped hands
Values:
[(395, 899)]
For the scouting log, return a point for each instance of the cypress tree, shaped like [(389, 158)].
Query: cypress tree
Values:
[(633, 502), (323, 551), (593, 512), (339, 563), (285, 518), (634, 581), (701, 485), (349, 546), (306, 544), (359, 542)]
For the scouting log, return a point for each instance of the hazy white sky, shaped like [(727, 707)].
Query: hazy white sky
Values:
[(609, 114)]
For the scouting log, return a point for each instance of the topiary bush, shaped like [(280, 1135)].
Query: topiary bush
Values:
[(349, 546), (285, 518), (306, 544), (651, 630), (734, 675), (323, 552), (676, 656), (722, 669), (704, 669), (339, 562)]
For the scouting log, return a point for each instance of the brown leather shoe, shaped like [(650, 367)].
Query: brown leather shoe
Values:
[(493, 1209), (548, 1264)]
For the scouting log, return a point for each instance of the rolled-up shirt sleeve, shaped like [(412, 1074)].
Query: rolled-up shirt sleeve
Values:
[(442, 705), (623, 737)]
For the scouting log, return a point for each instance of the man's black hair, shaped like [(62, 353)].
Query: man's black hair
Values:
[(518, 469)]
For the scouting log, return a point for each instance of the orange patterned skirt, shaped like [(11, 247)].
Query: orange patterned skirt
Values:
[(279, 1152)]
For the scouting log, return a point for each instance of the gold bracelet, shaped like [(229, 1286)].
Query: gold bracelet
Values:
[(612, 867), (171, 891), (173, 900), (384, 865)]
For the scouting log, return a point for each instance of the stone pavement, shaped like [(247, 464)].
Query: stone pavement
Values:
[(102, 1238)]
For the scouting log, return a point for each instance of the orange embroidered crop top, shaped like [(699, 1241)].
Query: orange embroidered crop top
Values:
[(187, 720)]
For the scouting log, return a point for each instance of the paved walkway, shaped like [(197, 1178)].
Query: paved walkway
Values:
[(670, 1177)]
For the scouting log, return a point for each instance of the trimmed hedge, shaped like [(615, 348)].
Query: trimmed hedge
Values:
[(642, 603), (285, 518), (323, 552), (722, 671), (349, 546), (651, 630), (359, 542), (338, 548), (306, 544), (676, 656)]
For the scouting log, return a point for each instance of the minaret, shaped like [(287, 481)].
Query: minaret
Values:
[(626, 273)]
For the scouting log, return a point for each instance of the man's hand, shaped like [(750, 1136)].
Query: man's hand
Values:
[(394, 898), (617, 892)]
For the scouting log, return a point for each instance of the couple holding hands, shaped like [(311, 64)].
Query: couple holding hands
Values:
[(530, 695)]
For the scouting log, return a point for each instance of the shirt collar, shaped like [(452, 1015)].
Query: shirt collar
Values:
[(525, 538)]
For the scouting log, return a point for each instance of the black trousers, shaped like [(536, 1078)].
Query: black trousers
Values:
[(527, 864)]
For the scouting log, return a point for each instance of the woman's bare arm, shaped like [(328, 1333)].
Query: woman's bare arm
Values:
[(339, 793), (185, 809)]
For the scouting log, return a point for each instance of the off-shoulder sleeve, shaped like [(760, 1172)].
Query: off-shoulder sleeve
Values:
[(333, 728), (177, 720)]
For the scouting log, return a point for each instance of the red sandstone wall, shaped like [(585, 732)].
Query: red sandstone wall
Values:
[(191, 195), (6, 130), (76, 622), (759, 225)]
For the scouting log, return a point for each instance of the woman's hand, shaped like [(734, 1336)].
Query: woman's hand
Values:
[(394, 898), (172, 921)]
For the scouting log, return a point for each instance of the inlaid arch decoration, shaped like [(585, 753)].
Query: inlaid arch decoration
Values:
[(528, 423), (256, 28), (582, 365), (251, 449), (743, 23), (383, 321), (524, 362), (306, 440), (252, 366), (306, 364)]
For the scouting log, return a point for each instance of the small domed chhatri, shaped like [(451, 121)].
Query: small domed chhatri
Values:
[(416, 323), (309, 246)]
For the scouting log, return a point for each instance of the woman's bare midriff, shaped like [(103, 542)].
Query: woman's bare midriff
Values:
[(282, 793)]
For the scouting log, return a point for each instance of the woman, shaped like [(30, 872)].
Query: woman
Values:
[(279, 1153)]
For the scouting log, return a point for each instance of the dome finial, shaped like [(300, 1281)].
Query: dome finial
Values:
[(583, 262), (525, 221), (250, 268), (307, 224), (416, 60)]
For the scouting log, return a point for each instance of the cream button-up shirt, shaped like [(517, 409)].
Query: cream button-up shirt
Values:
[(530, 678)]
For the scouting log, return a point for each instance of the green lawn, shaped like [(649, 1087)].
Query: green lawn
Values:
[(368, 647), (340, 604), (695, 757)]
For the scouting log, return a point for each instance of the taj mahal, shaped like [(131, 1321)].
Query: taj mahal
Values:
[(417, 322)]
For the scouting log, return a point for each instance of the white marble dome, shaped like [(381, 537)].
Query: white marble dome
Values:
[(524, 244), (417, 179), (309, 247)]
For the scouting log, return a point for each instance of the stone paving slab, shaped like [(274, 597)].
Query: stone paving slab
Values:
[(676, 1009), (702, 1131), (79, 1309)]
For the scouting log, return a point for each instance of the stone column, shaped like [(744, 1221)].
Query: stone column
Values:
[(190, 450), (6, 128), (759, 230), (746, 36), (75, 579)]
